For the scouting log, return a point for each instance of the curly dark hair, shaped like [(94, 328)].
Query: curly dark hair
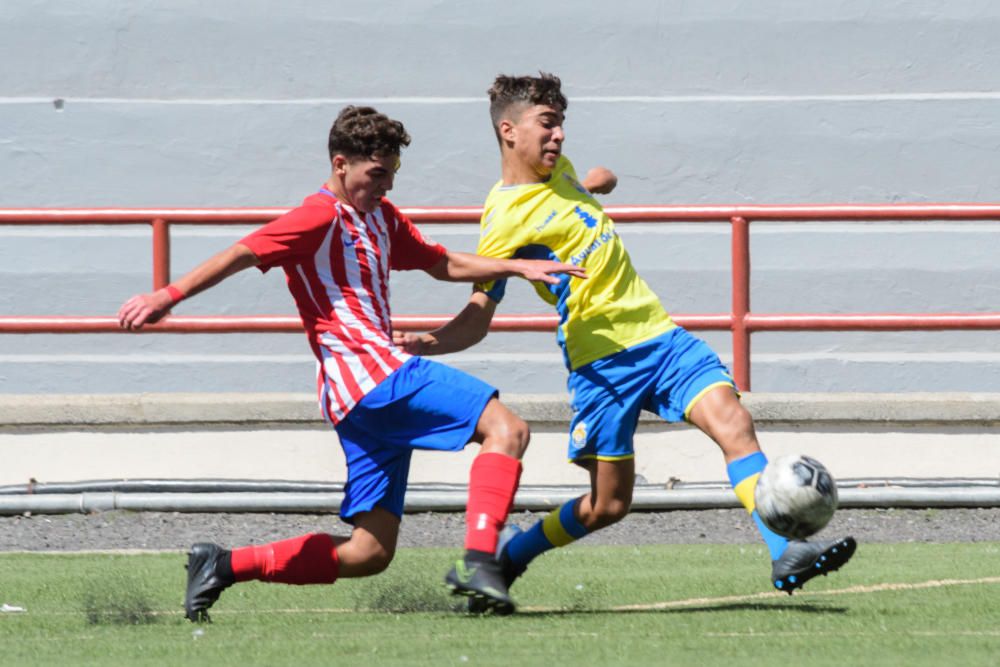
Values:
[(364, 132), (510, 91)]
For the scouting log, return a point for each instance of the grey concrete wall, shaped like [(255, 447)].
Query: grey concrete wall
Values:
[(141, 103)]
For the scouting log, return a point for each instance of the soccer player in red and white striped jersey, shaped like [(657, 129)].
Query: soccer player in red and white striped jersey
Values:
[(336, 250)]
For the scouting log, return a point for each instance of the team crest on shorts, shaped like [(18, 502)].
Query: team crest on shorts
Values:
[(580, 434)]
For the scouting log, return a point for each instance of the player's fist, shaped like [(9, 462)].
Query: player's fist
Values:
[(600, 180), (409, 342), (144, 309)]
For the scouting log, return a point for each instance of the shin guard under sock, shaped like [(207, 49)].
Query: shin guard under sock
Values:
[(307, 559), (557, 529), (493, 482), (743, 475)]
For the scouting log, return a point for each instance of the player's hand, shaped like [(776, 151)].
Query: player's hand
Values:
[(144, 309), (600, 181), (409, 342), (548, 271)]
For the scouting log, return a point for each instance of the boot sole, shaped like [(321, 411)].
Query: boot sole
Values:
[(480, 602), (830, 560)]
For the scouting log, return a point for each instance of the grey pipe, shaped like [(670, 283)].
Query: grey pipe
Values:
[(172, 486), (292, 486), (447, 498)]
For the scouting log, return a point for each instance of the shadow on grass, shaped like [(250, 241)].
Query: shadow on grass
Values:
[(807, 608), (398, 595)]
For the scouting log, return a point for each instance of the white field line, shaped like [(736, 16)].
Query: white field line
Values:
[(652, 606), (771, 595)]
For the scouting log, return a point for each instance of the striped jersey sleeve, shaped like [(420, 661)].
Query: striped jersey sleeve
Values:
[(290, 238)]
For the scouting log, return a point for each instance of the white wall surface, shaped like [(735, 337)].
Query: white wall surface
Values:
[(142, 103)]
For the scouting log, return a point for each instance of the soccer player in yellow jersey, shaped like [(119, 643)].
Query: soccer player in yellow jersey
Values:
[(623, 352)]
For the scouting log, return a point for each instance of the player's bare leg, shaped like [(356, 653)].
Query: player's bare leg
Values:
[(500, 431), (371, 546), (493, 481), (721, 416), (610, 497)]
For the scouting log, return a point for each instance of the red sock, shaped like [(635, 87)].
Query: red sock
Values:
[(492, 484), (307, 559)]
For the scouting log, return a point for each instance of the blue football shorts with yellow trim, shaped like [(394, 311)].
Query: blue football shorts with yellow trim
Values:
[(666, 375), (422, 405)]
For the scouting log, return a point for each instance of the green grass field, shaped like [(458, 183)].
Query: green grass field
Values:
[(911, 604)]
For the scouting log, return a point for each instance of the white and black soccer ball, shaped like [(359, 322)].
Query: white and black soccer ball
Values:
[(795, 496)]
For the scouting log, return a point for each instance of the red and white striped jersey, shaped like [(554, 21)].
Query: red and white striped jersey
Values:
[(337, 263)]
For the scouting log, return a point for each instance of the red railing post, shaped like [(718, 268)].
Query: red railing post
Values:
[(161, 253), (741, 301)]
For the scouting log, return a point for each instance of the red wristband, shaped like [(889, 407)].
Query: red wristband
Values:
[(175, 294)]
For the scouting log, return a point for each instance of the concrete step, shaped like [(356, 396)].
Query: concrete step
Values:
[(279, 436)]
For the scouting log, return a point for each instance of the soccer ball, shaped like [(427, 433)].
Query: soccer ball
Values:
[(795, 496)]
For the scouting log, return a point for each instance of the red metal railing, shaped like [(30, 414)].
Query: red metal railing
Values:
[(741, 321)]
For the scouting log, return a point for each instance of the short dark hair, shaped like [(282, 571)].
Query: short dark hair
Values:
[(509, 91), (364, 132)]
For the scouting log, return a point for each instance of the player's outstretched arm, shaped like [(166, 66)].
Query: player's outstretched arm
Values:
[(463, 331), (469, 268), (149, 308), (600, 181)]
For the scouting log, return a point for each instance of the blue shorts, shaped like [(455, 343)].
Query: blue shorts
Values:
[(422, 405), (666, 375)]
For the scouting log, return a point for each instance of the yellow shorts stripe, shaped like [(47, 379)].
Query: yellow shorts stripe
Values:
[(701, 394), (744, 491), (554, 531), (602, 457)]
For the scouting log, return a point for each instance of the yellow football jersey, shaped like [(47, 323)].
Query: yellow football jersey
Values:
[(611, 310)]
